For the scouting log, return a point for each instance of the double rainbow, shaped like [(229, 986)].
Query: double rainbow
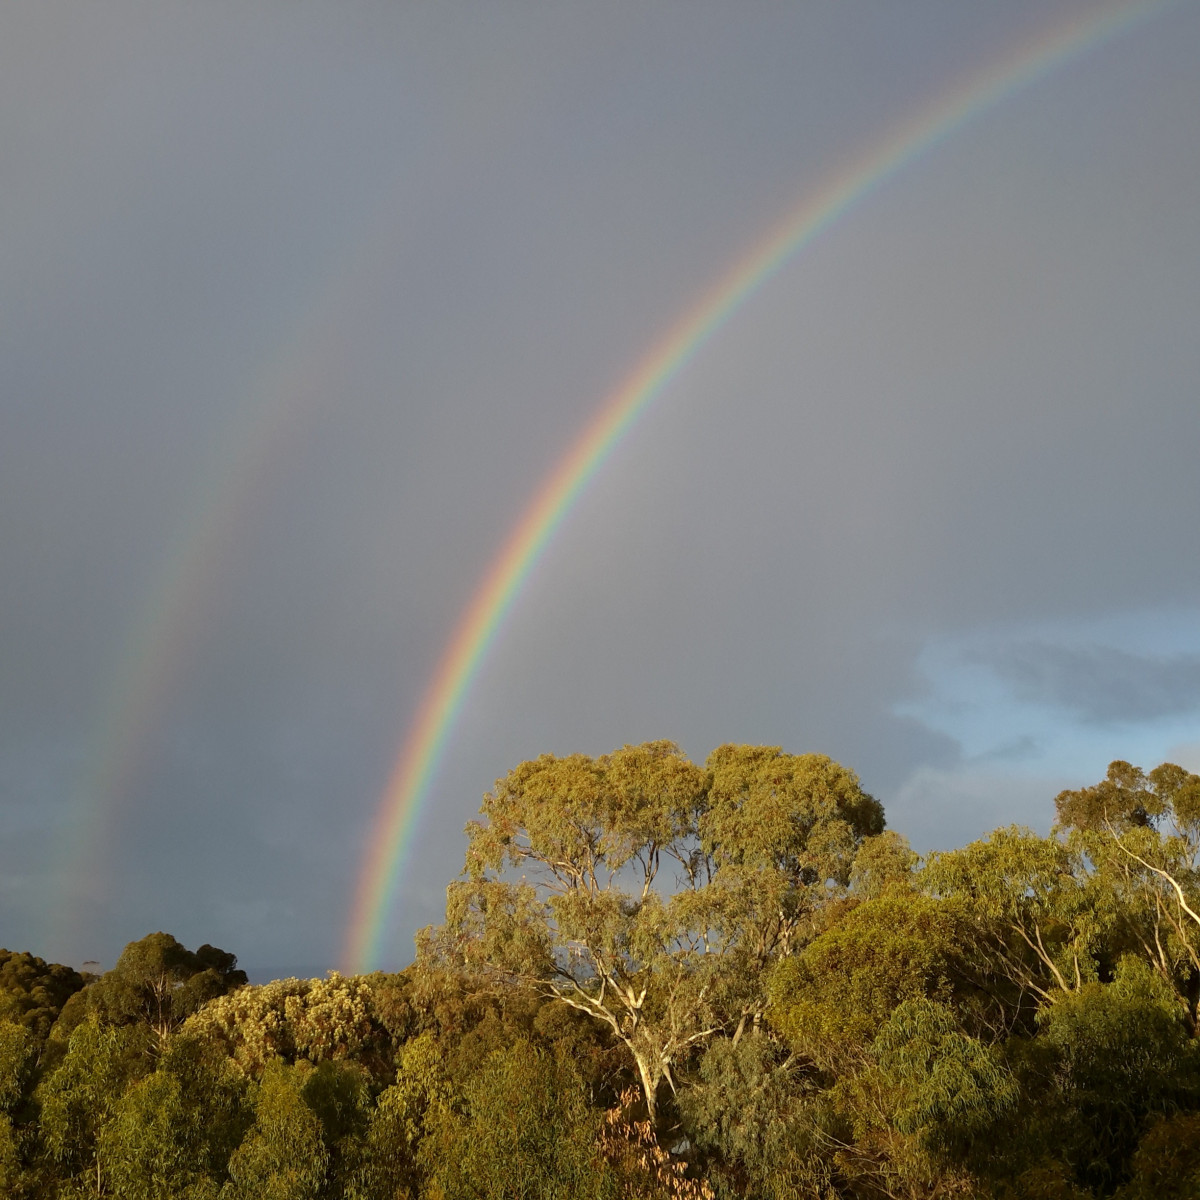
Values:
[(391, 834)]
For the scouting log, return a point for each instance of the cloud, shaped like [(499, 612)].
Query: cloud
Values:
[(1100, 684), (1063, 696), (939, 809), (1186, 754), (908, 441)]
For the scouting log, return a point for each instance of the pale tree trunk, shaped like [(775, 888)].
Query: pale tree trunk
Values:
[(650, 1080)]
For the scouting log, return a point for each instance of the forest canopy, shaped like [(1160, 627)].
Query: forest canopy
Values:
[(663, 979)]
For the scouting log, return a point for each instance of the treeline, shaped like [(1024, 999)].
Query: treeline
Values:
[(661, 980)]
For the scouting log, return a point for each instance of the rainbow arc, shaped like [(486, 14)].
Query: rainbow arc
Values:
[(392, 833)]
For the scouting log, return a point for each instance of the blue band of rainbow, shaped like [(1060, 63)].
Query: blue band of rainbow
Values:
[(391, 834)]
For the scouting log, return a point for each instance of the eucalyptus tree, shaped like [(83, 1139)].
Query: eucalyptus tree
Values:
[(80, 1098), (283, 1155), (17, 1052), (33, 992), (830, 1000), (1041, 923), (158, 982), (523, 1130), (1140, 831), (652, 894), (1122, 1057)]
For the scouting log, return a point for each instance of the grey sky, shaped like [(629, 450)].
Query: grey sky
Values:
[(328, 289)]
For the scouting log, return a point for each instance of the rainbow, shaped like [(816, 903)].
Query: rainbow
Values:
[(288, 390), (391, 835), (285, 394)]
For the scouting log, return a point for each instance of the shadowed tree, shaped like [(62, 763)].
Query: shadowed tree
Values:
[(159, 982), (33, 992), (523, 1130), (946, 1088), (1167, 1163), (17, 1053), (283, 1156), (1122, 1056), (744, 1115)]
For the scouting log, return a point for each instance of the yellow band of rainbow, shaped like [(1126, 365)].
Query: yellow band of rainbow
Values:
[(391, 834)]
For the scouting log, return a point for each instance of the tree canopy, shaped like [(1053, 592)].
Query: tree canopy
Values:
[(664, 981), (650, 893)]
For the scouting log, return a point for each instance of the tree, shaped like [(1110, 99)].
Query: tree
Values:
[(1041, 924), (523, 1131), (166, 1135), (17, 1051), (80, 1097), (283, 1156), (644, 1169), (1141, 832), (290, 1019), (159, 982), (1122, 1057), (1166, 1165), (566, 885), (33, 992), (745, 1115), (878, 1009), (339, 1093), (146, 1150), (213, 1093), (948, 1089), (389, 1165), (830, 1000)]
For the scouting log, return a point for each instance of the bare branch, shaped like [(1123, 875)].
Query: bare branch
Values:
[(1180, 897)]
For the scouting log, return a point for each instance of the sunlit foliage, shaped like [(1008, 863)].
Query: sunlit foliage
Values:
[(658, 981)]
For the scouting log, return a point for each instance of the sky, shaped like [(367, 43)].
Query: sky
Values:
[(301, 302)]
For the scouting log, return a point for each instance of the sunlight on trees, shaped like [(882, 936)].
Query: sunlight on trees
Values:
[(659, 981), (756, 844)]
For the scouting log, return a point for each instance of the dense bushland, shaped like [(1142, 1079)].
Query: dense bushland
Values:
[(657, 979)]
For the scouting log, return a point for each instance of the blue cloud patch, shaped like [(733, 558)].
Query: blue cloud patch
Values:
[(1099, 684)]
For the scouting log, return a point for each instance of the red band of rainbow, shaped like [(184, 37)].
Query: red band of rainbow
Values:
[(392, 832)]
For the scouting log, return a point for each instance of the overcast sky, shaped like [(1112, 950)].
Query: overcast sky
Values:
[(301, 302)]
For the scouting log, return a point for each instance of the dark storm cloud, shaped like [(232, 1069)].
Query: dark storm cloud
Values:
[(963, 405), (1100, 683)]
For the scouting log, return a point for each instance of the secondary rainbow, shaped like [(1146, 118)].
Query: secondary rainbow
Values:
[(288, 389), (408, 788)]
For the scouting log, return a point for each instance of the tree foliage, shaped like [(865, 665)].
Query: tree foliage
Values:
[(289, 1019), (33, 992), (522, 1130), (283, 1155), (659, 981), (651, 894), (159, 983)]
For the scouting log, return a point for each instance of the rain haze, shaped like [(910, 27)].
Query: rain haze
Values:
[(302, 302)]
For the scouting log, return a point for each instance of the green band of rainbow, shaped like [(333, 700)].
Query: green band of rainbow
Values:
[(285, 393), (392, 832)]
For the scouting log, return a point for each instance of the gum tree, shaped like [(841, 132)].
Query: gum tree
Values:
[(1140, 831), (158, 982), (1041, 923), (650, 893)]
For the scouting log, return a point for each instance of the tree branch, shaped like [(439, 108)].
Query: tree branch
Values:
[(1183, 904)]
